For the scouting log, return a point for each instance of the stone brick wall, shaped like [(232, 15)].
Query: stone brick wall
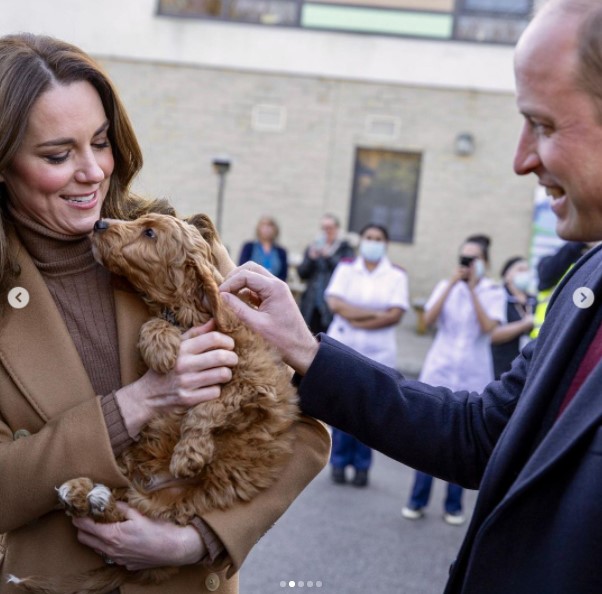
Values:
[(184, 115)]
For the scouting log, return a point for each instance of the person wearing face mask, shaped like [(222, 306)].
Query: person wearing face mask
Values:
[(508, 339), (368, 297), (467, 308)]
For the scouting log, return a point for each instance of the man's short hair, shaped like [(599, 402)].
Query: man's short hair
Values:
[(589, 40)]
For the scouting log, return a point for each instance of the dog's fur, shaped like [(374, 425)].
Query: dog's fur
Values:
[(217, 453)]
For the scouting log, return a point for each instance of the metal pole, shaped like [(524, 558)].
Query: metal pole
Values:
[(220, 202), (221, 166)]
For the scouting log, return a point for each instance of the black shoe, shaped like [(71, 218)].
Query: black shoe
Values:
[(360, 479), (338, 475)]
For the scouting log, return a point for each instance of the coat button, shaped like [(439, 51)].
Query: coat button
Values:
[(212, 582), (20, 433)]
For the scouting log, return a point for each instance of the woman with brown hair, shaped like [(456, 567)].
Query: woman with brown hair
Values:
[(71, 393)]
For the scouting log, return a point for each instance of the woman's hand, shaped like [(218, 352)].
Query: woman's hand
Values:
[(460, 273), (141, 543), (204, 363)]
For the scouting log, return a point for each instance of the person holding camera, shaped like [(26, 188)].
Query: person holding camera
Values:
[(466, 308)]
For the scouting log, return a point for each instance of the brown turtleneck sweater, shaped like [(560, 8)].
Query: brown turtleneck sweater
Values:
[(82, 292)]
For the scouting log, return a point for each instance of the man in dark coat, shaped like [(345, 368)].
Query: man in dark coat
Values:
[(532, 442)]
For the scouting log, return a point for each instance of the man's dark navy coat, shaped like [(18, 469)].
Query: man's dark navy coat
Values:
[(537, 525)]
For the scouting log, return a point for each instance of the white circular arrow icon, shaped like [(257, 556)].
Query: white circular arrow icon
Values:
[(18, 297), (583, 297)]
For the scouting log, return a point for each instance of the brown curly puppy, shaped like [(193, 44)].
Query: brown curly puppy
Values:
[(220, 451)]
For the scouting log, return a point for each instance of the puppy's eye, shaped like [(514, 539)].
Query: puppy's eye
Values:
[(150, 232)]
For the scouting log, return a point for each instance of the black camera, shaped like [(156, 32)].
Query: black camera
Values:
[(466, 260)]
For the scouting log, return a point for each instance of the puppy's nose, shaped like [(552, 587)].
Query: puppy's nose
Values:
[(101, 225)]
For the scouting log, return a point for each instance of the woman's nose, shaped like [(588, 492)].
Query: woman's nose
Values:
[(89, 170)]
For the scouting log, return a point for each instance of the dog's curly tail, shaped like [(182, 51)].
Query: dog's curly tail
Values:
[(96, 581)]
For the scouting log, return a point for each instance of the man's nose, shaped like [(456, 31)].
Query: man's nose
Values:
[(526, 159)]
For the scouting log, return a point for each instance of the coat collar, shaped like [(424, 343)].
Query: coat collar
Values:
[(557, 343), (38, 353)]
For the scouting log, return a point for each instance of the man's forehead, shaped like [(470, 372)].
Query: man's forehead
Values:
[(547, 52)]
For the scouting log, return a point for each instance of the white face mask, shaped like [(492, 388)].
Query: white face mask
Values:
[(479, 268), (371, 250), (522, 281)]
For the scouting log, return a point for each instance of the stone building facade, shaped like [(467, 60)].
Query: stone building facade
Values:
[(291, 108)]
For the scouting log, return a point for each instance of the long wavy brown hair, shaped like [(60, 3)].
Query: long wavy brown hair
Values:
[(29, 66)]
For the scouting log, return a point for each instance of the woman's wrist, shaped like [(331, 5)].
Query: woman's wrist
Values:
[(131, 401), (192, 546)]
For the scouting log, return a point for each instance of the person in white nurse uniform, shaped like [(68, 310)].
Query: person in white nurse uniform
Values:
[(466, 308), (368, 296)]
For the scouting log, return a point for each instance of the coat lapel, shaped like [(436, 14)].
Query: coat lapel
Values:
[(130, 312), (581, 415), (39, 354), (36, 349), (514, 464)]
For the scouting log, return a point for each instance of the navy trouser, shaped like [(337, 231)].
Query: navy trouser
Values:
[(421, 493), (348, 451)]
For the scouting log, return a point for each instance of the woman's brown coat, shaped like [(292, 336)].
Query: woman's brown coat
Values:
[(52, 429)]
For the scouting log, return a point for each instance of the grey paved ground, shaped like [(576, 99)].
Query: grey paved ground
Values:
[(353, 541)]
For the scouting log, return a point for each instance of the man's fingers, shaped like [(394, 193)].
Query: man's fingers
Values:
[(240, 309), (254, 267), (242, 278), (198, 330)]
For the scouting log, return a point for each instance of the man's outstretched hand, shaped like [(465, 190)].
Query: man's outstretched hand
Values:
[(277, 317)]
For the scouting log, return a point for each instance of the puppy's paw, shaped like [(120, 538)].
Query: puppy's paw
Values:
[(73, 496), (159, 345), (100, 499), (81, 497)]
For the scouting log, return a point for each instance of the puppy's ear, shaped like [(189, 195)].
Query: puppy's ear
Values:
[(204, 224), (219, 253), (209, 279)]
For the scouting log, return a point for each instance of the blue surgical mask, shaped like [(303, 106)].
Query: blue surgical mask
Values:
[(479, 268), (371, 250), (522, 281)]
